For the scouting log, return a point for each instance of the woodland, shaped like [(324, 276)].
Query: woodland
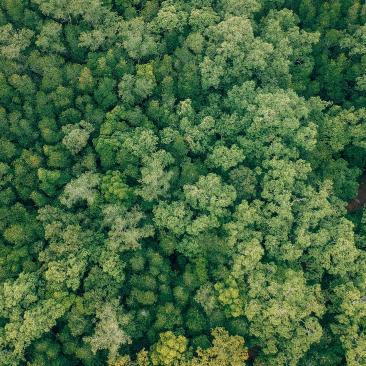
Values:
[(182, 183)]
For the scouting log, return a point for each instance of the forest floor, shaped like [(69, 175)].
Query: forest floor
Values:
[(360, 199)]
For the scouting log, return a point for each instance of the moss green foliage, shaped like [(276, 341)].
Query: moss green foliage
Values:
[(174, 177), (225, 350)]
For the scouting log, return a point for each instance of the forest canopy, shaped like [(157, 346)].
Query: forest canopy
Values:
[(174, 182)]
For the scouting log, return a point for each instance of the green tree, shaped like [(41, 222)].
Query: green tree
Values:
[(108, 333)]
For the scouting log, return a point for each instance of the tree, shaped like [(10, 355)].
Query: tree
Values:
[(49, 130), (210, 194), (155, 181), (76, 136), (50, 39), (108, 333), (174, 217), (86, 80), (81, 189), (124, 232), (169, 350), (225, 350), (105, 94), (225, 157), (13, 43)]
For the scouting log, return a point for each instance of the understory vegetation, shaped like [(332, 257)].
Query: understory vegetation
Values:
[(174, 182)]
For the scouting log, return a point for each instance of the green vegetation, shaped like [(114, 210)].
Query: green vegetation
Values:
[(174, 177)]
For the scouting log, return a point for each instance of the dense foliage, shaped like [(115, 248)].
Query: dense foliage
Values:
[(174, 177)]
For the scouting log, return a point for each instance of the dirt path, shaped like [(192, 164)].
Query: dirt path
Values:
[(360, 200)]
